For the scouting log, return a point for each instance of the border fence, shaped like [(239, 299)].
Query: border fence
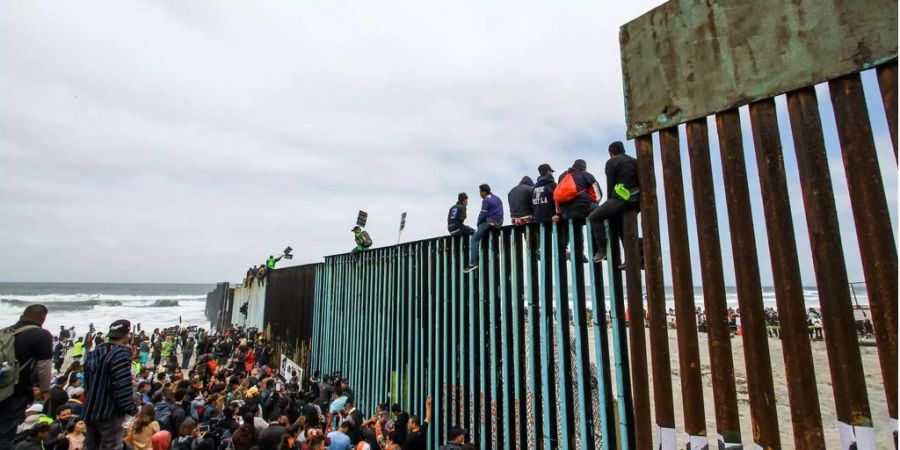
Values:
[(539, 350)]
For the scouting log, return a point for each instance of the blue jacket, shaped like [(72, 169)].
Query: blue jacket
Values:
[(491, 210)]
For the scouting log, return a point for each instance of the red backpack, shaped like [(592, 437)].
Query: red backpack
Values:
[(566, 190)]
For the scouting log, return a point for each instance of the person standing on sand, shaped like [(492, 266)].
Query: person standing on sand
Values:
[(107, 374), (33, 347)]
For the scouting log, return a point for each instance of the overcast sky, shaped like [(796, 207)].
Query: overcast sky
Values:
[(185, 141)]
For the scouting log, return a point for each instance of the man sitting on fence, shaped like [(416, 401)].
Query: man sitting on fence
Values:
[(623, 192), (363, 242)]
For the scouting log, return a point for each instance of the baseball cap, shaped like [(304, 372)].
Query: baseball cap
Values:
[(35, 408), (456, 432), (543, 169), (119, 329)]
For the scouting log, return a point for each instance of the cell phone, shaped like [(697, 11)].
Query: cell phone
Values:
[(204, 429)]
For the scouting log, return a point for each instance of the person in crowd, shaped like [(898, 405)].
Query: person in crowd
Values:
[(576, 195), (187, 352), (162, 440), (401, 423), (363, 242), (78, 350), (39, 433), (109, 396), (490, 217), (623, 194), (246, 435), (59, 355), (340, 439), (456, 437), (57, 396), (418, 430), (60, 426), (73, 386), (74, 437), (521, 202), (33, 352), (140, 436), (144, 348), (456, 217)]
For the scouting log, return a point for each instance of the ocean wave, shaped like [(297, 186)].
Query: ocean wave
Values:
[(63, 305), (124, 299), (75, 305)]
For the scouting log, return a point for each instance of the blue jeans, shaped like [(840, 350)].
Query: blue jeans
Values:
[(475, 242)]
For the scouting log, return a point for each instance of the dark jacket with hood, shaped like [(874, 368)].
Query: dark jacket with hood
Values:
[(455, 217), (621, 169), (580, 206), (542, 201), (520, 199)]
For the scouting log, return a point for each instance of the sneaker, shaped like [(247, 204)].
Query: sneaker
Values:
[(599, 257), (470, 268), (584, 259)]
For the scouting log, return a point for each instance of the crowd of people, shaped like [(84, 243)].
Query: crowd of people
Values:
[(181, 388)]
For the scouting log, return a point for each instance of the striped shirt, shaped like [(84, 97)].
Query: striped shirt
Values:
[(107, 378)]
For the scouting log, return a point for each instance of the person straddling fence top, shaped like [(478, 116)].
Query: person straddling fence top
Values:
[(491, 216), (457, 215), (33, 350), (623, 191), (577, 193), (521, 202), (363, 241), (110, 395), (544, 207)]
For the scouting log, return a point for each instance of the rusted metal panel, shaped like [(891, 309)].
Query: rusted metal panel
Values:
[(873, 224), (798, 361), (640, 381), (763, 414), (721, 363), (656, 296), (683, 287), (688, 59)]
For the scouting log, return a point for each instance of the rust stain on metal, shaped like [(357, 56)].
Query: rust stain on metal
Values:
[(701, 57)]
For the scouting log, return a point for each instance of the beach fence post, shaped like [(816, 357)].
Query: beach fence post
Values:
[(716, 308), (656, 298)]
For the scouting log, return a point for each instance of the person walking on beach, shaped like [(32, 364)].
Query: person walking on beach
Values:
[(490, 217), (32, 348), (187, 351), (521, 202), (623, 193), (577, 193), (457, 215), (363, 242), (107, 375)]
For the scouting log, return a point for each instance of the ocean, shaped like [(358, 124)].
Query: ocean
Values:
[(80, 304)]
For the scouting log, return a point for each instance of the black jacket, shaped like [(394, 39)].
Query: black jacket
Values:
[(621, 169), (455, 217), (520, 199), (580, 206), (542, 201)]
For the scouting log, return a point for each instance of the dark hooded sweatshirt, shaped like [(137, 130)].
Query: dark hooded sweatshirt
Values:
[(455, 218), (542, 200), (520, 199)]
